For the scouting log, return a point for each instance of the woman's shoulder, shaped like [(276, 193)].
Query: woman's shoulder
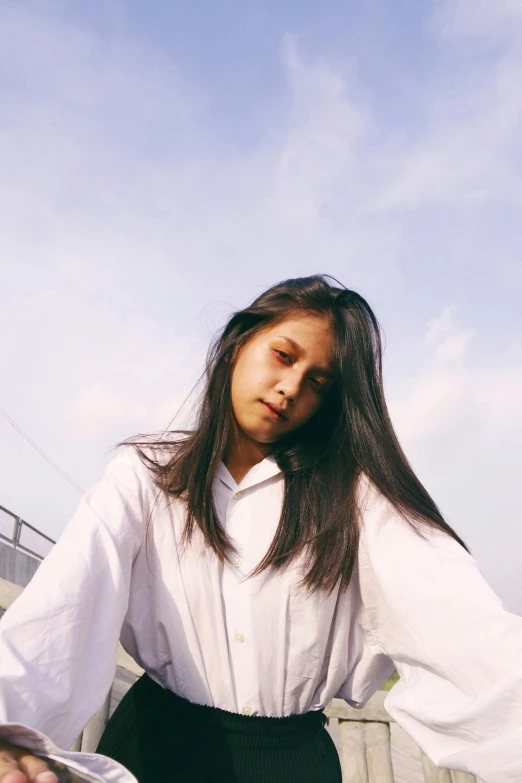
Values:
[(151, 450), (138, 461), (371, 503), (386, 528)]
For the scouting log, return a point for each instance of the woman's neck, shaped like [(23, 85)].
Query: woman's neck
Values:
[(242, 453)]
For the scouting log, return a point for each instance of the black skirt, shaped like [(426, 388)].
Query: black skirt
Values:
[(162, 738)]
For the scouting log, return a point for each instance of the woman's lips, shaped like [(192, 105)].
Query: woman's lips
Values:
[(274, 412)]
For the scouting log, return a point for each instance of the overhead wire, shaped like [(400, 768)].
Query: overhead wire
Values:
[(40, 451)]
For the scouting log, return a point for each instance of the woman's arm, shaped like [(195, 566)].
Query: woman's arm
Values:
[(457, 649), (58, 641)]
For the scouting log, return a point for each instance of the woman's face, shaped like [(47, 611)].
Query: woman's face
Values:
[(280, 377)]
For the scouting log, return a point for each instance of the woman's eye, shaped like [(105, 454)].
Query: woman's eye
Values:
[(283, 355), (316, 383)]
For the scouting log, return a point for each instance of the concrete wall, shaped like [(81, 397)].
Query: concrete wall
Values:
[(16, 566)]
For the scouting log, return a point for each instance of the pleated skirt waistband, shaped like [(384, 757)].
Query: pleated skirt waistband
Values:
[(162, 738), (253, 731)]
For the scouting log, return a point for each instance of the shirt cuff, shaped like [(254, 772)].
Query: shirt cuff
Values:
[(89, 767)]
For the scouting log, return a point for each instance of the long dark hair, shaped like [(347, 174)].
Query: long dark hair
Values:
[(351, 435)]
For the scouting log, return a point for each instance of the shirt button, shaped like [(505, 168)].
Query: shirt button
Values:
[(237, 495), (236, 562), (240, 637), (247, 710)]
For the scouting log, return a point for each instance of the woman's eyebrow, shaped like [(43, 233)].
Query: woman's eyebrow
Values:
[(293, 343), (298, 349)]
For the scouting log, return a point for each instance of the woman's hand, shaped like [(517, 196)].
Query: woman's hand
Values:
[(17, 765)]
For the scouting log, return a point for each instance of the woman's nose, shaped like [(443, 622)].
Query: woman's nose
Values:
[(290, 387)]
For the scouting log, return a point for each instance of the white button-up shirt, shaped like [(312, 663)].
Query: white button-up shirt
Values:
[(261, 645)]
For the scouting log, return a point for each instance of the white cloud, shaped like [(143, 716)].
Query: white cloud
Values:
[(453, 386), (463, 155), (440, 326), (461, 422), (437, 395), (320, 144), (482, 18), (92, 411), (499, 398), (121, 218), (453, 347)]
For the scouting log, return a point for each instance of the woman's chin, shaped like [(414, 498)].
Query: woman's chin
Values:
[(261, 436), (265, 440)]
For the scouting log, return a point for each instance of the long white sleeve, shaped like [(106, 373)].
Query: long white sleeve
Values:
[(457, 649), (58, 641)]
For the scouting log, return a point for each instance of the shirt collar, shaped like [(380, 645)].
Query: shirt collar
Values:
[(263, 471)]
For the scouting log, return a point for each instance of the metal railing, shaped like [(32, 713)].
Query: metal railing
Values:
[(21, 535)]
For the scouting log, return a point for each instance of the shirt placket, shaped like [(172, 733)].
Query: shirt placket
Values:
[(237, 598)]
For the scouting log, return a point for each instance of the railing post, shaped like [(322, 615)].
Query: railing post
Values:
[(378, 752), (353, 751), (93, 731), (17, 531), (432, 773), (77, 744)]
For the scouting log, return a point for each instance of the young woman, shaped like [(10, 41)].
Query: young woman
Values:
[(279, 555)]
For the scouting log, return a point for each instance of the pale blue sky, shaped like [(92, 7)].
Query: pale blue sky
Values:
[(163, 162)]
